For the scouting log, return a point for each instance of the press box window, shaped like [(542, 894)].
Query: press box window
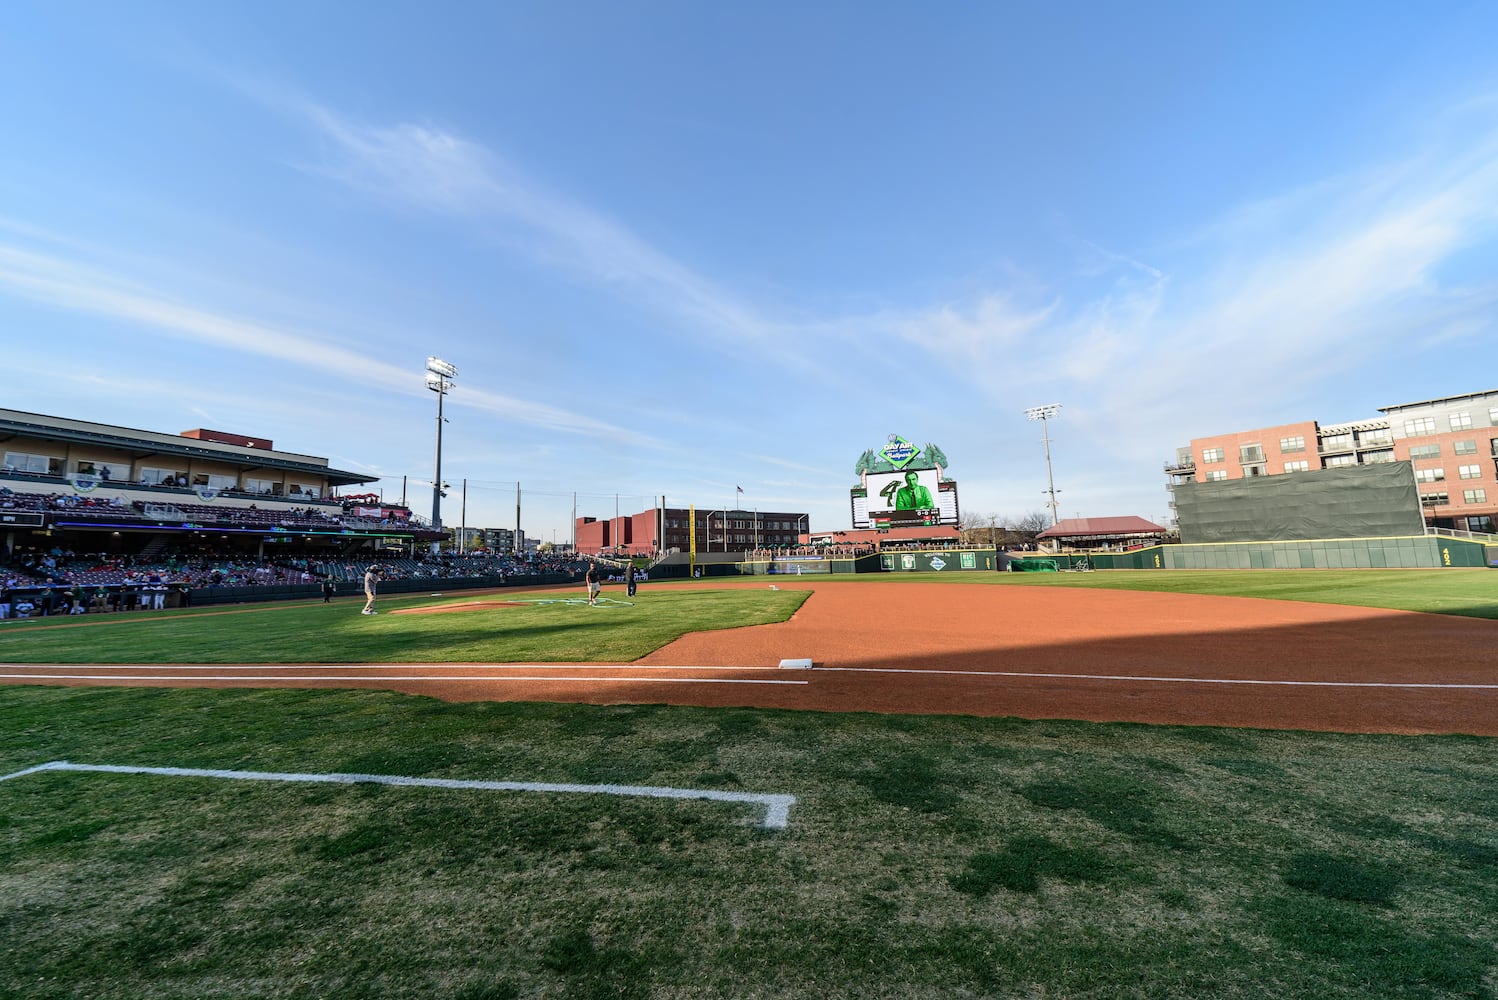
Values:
[(38, 464)]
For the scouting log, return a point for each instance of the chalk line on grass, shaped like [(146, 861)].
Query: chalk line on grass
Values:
[(777, 807), (61, 674)]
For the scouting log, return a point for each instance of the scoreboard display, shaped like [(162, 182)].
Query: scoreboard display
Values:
[(904, 499)]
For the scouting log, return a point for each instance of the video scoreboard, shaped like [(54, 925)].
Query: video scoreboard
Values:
[(907, 498)]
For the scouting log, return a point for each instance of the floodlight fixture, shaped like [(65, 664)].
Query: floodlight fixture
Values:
[(438, 374), (1044, 414)]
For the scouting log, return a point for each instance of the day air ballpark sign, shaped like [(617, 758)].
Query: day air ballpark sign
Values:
[(902, 486)]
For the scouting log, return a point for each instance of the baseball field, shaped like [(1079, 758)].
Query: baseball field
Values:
[(1232, 784)]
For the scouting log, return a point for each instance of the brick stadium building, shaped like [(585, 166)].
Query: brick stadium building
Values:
[(1452, 443), (664, 529), (102, 488)]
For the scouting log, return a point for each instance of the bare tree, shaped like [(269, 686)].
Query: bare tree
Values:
[(1022, 531)]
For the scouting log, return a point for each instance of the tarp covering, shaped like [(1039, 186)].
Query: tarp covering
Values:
[(1355, 501)]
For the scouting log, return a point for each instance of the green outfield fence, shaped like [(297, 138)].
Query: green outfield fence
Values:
[(1412, 552), (1404, 552)]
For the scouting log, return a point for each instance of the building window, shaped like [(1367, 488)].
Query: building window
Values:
[(1419, 426), (1464, 447), (1332, 442), (1470, 471), (1474, 496), (1430, 475), (1301, 466), (1493, 416), (1377, 457), (1296, 443), (1216, 475), (1375, 439), (1251, 453), (1425, 451), (41, 465), (1461, 421), (1434, 499), (162, 477), (1212, 455), (1480, 522), (1336, 460)]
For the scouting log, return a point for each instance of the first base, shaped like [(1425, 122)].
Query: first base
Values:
[(795, 664)]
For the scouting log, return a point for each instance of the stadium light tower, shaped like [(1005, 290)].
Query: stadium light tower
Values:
[(1044, 414), (439, 376)]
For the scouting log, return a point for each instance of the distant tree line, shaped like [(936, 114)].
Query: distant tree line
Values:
[(1002, 531)]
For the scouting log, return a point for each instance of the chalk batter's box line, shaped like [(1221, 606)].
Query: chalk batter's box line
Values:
[(777, 807)]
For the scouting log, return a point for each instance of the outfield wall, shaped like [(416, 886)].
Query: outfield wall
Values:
[(1410, 552), (898, 561)]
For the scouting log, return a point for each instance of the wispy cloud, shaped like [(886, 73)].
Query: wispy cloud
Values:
[(65, 285), (434, 169), (1267, 285)]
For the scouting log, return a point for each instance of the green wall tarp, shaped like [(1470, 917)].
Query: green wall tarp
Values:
[(1356, 501)]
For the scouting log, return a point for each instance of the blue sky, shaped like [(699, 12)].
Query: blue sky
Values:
[(676, 248)]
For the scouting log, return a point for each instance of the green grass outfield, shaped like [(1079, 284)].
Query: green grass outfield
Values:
[(310, 631), (925, 857)]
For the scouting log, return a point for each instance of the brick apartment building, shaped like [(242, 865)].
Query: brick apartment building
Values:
[(1452, 443)]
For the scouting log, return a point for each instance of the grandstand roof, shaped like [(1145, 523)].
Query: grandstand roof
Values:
[(1102, 527), (16, 423)]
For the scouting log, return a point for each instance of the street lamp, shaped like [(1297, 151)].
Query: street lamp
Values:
[(439, 376), (1043, 414), (710, 529)]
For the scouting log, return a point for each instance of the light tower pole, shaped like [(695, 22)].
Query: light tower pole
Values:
[(439, 380), (1044, 414)]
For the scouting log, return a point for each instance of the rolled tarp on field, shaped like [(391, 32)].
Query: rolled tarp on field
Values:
[(1355, 501)]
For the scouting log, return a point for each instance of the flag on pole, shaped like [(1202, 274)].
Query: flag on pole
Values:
[(739, 488)]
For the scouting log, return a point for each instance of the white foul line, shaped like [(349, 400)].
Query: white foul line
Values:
[(777, 807), (1161, 680), (290, 678)]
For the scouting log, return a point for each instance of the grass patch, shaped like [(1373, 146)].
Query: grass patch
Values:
[(1024, 861), (937, 857), (1342, 878)]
